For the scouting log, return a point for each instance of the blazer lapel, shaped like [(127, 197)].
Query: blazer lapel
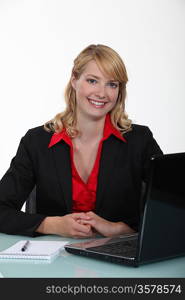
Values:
[(61, 152), (110, 153)]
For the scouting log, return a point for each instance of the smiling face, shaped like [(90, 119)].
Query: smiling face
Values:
[(96, 94)]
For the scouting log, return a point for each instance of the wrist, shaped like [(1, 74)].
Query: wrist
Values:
[(123, 228), (48, 225)]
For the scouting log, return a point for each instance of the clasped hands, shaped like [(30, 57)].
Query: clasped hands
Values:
[(85, 225)]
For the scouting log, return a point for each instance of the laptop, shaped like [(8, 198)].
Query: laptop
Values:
[(161, 233)]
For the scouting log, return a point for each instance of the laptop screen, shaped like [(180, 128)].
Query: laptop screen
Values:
[(163, 226)]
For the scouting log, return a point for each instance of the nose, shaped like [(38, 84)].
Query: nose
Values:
[(100, 91)]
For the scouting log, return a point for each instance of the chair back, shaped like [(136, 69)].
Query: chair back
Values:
[(31, 202)]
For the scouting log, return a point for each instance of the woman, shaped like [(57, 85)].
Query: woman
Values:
[(88, 163)]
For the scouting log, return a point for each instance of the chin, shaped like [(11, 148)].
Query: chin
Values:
[(97, 115)]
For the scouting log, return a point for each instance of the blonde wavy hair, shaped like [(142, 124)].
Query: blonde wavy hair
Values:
[(112, 65)]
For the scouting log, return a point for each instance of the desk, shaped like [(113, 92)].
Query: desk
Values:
[(69, 265)]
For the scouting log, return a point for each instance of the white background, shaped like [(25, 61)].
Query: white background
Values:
[(39, 40)]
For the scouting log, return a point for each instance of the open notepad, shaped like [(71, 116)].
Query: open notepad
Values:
[(35, 250)]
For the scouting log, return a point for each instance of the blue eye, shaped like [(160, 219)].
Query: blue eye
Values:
[(113, 85), (92, 81)]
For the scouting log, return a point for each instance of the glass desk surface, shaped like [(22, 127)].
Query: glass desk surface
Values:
[(72, 266)]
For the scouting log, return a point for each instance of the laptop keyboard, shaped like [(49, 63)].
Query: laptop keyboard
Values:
[(122, 248)]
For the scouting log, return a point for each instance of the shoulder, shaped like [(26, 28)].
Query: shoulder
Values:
[(38, 131), (138, 131), (141, 137), (37, 135)]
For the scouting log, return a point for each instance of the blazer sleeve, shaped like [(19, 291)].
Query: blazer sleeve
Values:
[(146, 144), (150, 148), (15, 186)]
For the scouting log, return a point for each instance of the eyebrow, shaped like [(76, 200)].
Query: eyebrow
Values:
[(111, 80)]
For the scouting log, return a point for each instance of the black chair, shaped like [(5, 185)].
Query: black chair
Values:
[(31, 202)]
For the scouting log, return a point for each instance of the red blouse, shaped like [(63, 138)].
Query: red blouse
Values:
[(84, 194)]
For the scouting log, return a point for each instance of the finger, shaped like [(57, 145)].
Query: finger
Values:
[(84, 235), (82, 228), (91, 214), (87, 222), (84, 222), (80, 216)]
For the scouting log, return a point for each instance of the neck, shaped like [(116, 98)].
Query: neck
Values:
[(90, 129)]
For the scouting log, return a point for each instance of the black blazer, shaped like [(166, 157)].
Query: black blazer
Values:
[(123, 167)]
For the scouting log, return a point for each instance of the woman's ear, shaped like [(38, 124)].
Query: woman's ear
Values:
[(73, 81)]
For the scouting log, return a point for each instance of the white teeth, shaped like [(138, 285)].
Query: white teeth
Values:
[(97, 103)]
